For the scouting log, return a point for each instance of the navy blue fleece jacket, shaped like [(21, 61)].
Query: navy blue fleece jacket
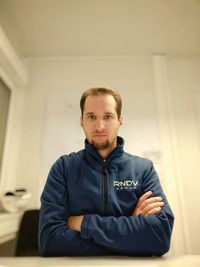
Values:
[(106, 193)]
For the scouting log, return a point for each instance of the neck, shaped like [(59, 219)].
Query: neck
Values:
[(104, 154)]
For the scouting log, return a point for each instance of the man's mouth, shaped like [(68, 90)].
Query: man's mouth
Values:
[(99, 135)]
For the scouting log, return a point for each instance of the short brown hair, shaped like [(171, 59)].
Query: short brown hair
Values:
[(95, 91)]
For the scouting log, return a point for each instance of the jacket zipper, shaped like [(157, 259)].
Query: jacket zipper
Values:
[(105, 189)]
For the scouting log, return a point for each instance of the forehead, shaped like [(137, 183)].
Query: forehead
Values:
[(105, 103)]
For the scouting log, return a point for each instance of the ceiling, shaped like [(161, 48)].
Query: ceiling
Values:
[(63, 28)]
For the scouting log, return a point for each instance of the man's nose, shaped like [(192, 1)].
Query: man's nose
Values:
[(100, 125)]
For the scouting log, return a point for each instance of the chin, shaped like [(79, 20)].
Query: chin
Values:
[(100, 145)]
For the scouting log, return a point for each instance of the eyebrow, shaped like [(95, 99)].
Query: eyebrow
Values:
[(109, 113)]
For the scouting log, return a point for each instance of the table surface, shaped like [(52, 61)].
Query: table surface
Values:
[(119, 261)]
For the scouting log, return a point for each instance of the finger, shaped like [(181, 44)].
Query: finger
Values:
[(153, 211), (144, 197), (152, 206), (149, 201)]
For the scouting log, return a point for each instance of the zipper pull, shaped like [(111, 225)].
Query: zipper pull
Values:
[(104, 162)]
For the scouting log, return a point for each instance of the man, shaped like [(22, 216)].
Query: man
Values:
[(101, 200)]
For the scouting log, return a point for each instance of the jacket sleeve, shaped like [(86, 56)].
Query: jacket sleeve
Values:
[(55, 238), (136, 236)]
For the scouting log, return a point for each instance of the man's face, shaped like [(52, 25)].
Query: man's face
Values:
[(100, 122)]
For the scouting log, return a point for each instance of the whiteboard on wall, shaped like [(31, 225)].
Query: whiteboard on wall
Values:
[(62, 133)]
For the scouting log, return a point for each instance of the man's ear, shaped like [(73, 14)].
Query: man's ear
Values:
[(120, 120)]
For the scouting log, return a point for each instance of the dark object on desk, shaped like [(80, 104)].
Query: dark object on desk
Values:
[(9, 194), (27, 241)]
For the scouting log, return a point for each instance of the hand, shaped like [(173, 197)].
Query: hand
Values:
[(148, 205), (74, 222)]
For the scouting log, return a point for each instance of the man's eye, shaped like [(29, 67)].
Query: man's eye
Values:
[(91, 117), (107, 117)]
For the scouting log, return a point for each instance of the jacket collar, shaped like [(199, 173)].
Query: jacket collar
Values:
[(117, 152)]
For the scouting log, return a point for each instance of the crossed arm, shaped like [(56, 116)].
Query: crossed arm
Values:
[(139, 234), (146, 205)]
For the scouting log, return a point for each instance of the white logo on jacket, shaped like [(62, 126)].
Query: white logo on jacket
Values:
[(125, 184)]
